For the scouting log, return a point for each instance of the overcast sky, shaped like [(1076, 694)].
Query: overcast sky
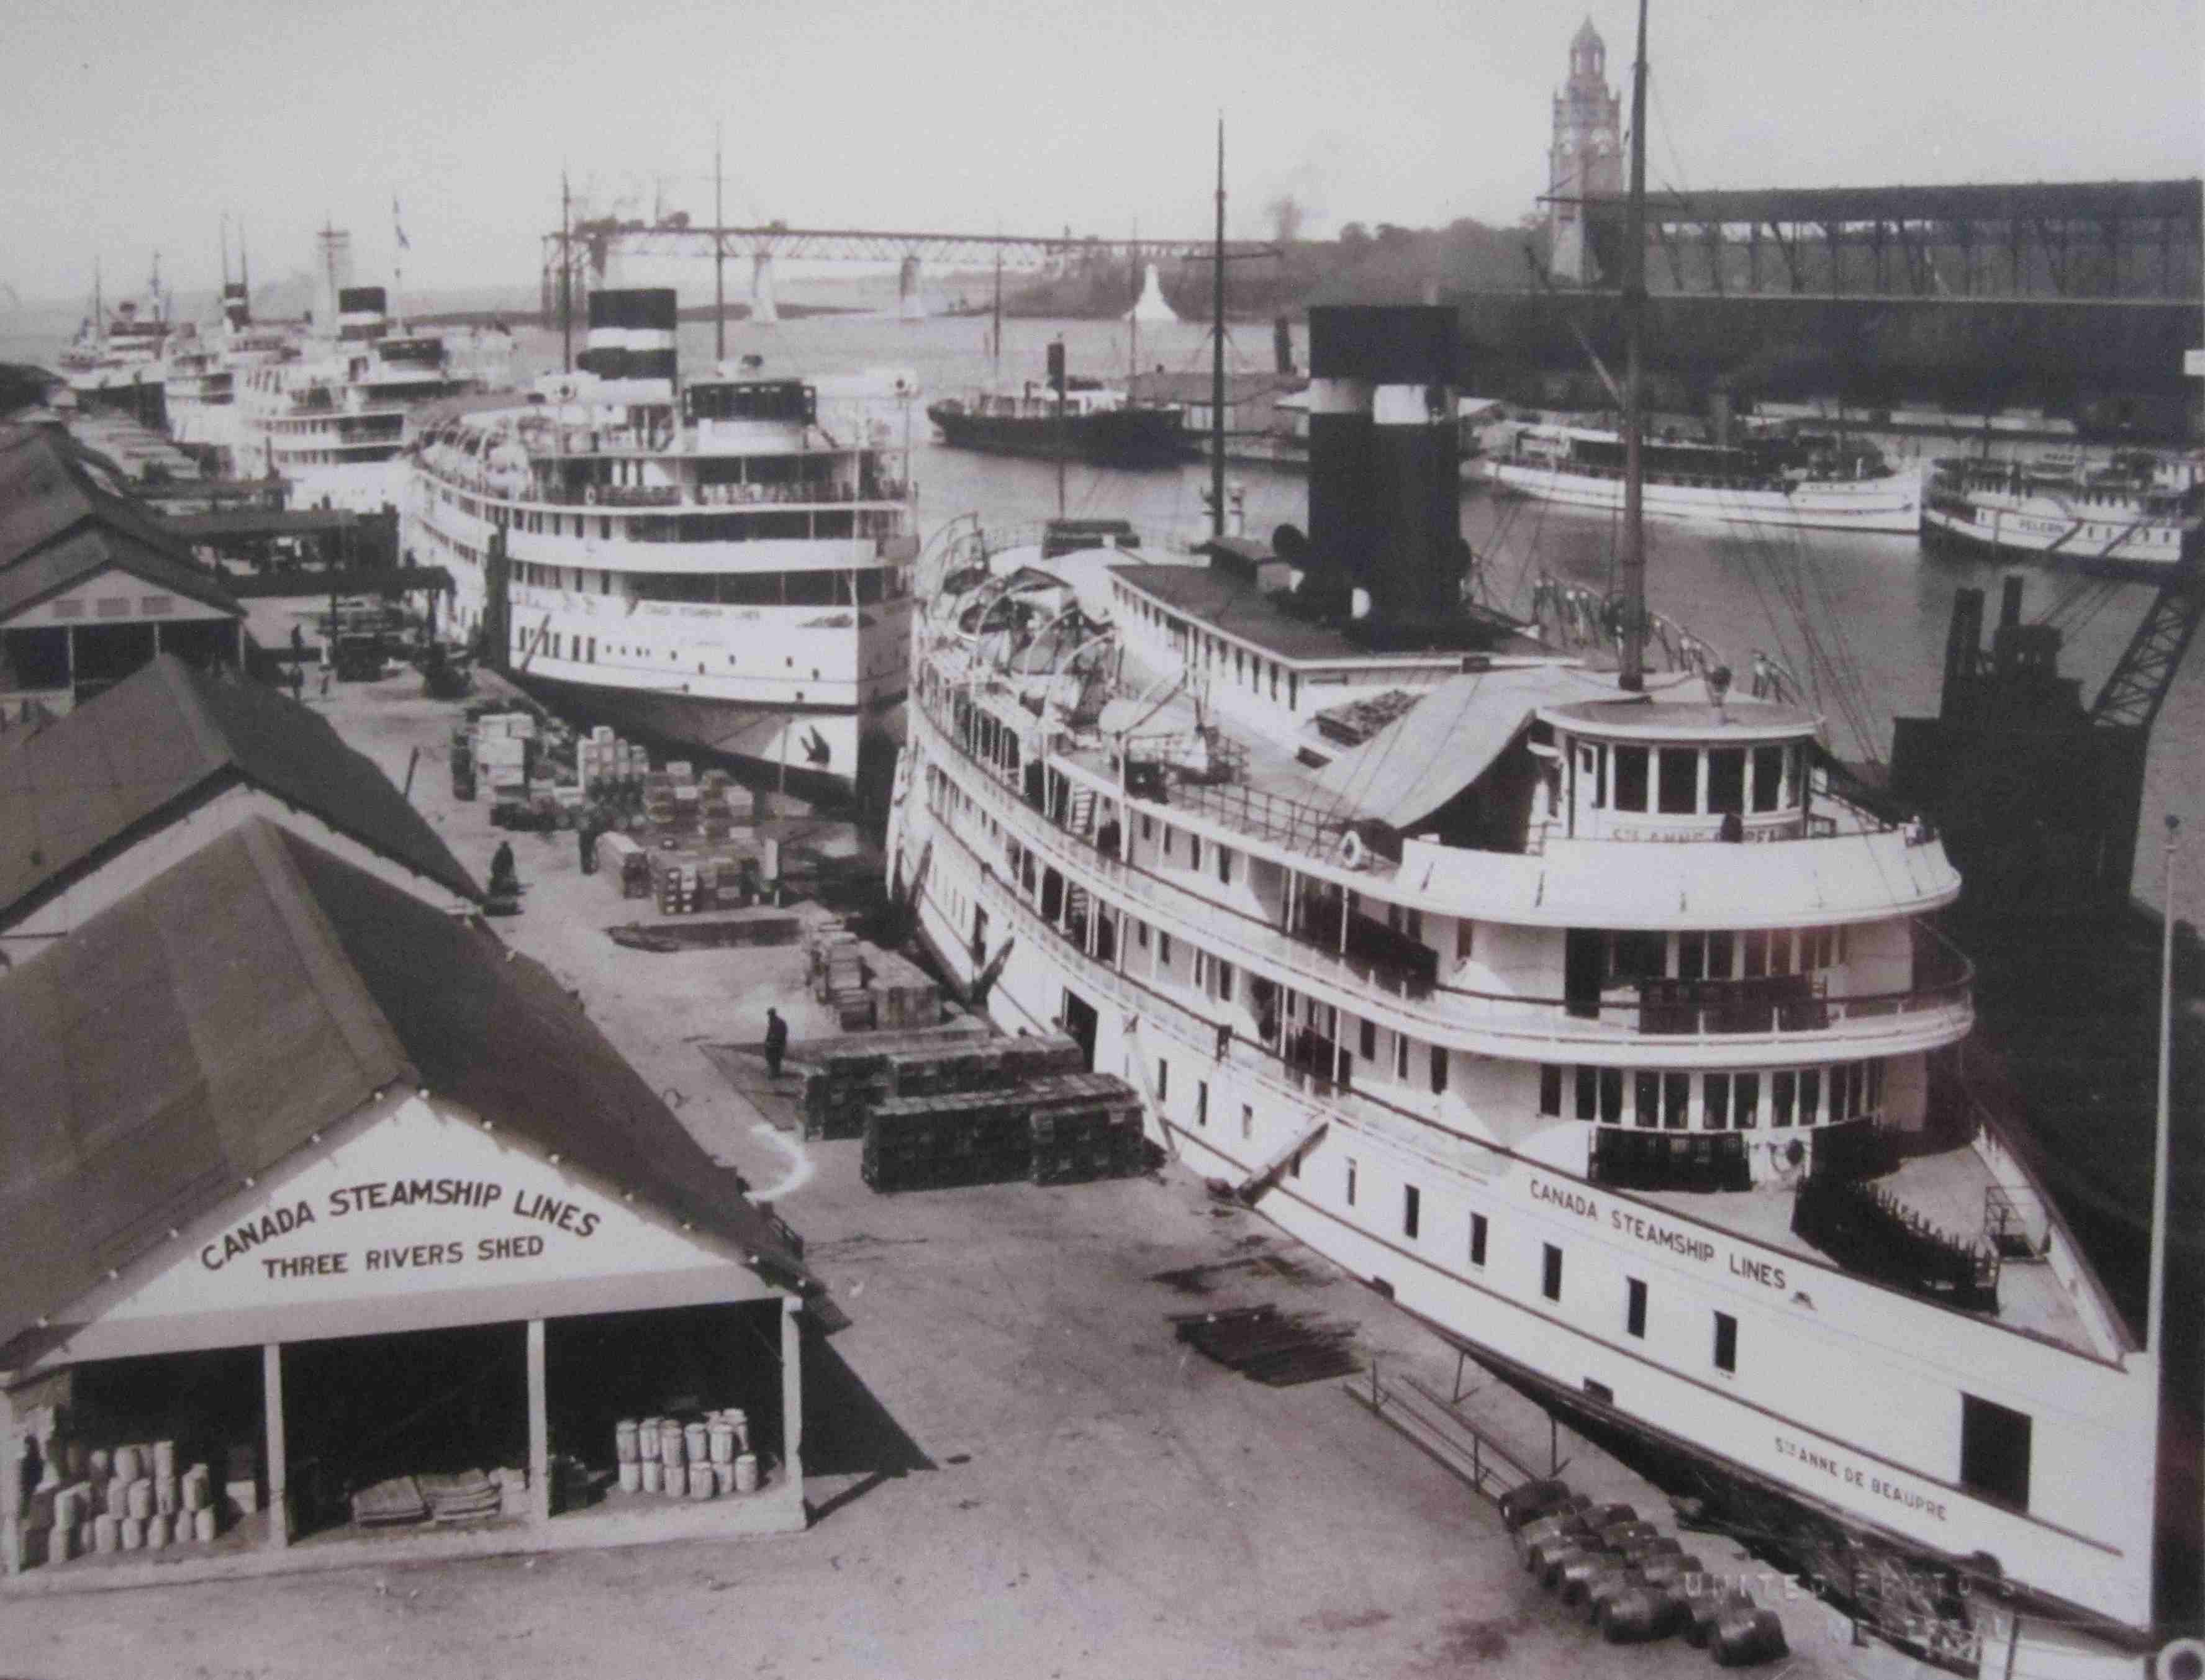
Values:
[(126, 127)]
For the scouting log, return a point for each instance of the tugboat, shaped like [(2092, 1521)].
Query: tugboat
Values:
[(1065, 418)]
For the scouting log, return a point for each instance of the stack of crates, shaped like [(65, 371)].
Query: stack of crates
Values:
[(1084, 1126), (848, 1076), (462, 755), (838, 978), (599, 759), (673, 881), (958, 1137), (907, 998), (625, 865)]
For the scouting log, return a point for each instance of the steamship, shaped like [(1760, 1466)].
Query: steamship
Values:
[(336, 421), (719, 562), (1091, 421), (199, 370), (1784, 477), (2135, 514), (1596, 1019)]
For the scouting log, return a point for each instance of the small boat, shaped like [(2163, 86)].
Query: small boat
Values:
[(2135, 512), (1090, 421), (1788, 475)]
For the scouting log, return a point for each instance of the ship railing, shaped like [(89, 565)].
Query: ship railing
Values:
[(719, 495), (1409, 986)]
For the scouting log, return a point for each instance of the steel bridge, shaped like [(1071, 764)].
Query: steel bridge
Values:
[(581, 254), (2114, 241)]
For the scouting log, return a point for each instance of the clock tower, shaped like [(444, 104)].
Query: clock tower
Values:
[(1586, 159)]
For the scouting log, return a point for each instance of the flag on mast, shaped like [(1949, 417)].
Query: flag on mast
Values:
[(398, 228)]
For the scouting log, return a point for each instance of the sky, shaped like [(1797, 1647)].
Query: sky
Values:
[(129, 127)]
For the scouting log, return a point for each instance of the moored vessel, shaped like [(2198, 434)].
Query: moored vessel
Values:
[(2133, 513), (720, 561), (1086, 420), (1786, 476)]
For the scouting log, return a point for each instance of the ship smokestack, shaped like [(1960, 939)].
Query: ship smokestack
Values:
[(362, 313), (237, 305), (1385, 486), (631, 334)]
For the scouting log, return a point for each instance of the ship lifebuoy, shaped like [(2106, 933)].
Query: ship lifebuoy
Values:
[(1353, 854), (2179, 1660)]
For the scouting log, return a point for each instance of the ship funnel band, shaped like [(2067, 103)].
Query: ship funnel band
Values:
[(651, 306), (631, 334), (362, 300), (1413, 405)]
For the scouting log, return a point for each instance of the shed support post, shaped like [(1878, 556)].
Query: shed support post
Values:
[(540, 1427), (279, 1495), (792, 1393), (11, 1486)]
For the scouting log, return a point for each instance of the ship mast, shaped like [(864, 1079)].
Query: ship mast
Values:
[(1217, 353), (566, 275), (719, 257), (1633, 676)]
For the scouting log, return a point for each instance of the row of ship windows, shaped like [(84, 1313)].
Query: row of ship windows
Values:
[(806, 526), (1728, 1101), (811, 587), (1628, 955), (1690, 780)]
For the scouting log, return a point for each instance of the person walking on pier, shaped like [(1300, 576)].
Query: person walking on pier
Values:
[(776, 1043), (503, 882)]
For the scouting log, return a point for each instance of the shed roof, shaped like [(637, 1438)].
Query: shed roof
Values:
[(75, 790), (60, 524), (204, 1029)]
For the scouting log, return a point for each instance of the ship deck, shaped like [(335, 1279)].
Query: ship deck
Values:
[(1950, 1189)]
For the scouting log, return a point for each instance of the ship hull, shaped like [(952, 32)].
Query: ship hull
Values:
[(1110, 437), (2019, 530), (1891, 505)]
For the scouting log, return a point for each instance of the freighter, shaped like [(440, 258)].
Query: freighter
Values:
[(1597, 1018), (1783, 477), (2135, 514), (718, 562)]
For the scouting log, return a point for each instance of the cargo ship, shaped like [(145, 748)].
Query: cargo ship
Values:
[(1089, 421), (721, 561)]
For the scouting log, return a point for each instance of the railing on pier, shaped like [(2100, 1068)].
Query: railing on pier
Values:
[(1439, 1428)]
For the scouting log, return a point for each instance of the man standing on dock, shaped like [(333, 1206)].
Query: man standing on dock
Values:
[(776, 1043)]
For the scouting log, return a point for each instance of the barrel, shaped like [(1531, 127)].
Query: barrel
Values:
[(724, 1441), (131, 1533), (1744, 1637), (78, 1465), (673, 1445), (1706, 1609), (1576, 1573), (695, 1442), (746, 1472), (646, 1438), (164, 1460), (1536, 1541), (63, 1547), (160, 1530), (118, 1496), (626, 1448), (740, 1419), (631, 1475), (1588, 1589), (99, 1464), (1634, 1615), (197, 1488), (203, 1524), (167, 1497), (130, 1463), (1533, 1499), (654, 1475), (701, 1485), (723, 1477), (139, 1497)]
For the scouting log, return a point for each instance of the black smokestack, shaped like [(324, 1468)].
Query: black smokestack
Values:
[(1385, 485), (631, 334)]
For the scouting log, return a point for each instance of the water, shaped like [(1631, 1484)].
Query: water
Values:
[(1880, 601)]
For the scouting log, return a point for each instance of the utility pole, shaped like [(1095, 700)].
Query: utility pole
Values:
[(719, 256), (1218, 354), (1632, 679), (565, 274)]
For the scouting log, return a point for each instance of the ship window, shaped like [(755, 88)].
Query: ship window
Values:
[(1722, 946), (1412, 1211), (1369, 1041), (1726, 1342), (1636, 955), (1810, 1095), (1757, 954), (1768, 777), (1646, 1098), (1634, 1315), (1676, 1100), (1163, 951), (1746, 1110), (1550, 1277), (1727, 779), (1464, 936), (1611, 1095), (1779, 950), (1680, 781), (1588, 1083), (1401, 1056), (1783, 1090), (1163, 1080), (1714, 1103), (1439, 1070), (1201, 1102), (1477, 1239), (1351, 1181), (1550, 1089), (1631, 778), (1247, 1122), (1225, 866), (1692, 956)]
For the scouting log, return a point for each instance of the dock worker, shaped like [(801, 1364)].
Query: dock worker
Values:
[(776, 1043), (503, 879)]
